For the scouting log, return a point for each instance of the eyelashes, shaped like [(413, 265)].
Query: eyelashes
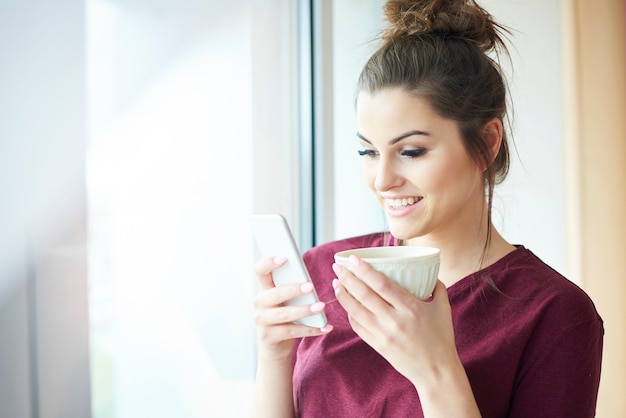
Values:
[(413, 153), (410, 153), (367, 153)]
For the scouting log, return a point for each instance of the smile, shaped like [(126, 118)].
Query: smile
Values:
[(402, 203)]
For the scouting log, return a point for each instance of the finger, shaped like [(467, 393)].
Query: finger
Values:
[(286, 314), (384, 288), (264, 268), (275, 296), (439, 301), (345, 299), (358, 290), (355, 303), (276, 334), (361, 330), (440, 292), (359, 318)]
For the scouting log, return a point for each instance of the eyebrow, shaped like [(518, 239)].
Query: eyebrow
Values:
[(396, 139)]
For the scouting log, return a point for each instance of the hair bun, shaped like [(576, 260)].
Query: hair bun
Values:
[(461, 18)]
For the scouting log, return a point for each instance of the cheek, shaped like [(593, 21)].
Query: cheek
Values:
[(451, 174)]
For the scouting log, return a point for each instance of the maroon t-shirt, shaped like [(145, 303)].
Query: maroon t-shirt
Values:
[(531, 348)]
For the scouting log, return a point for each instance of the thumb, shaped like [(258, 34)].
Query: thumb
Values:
[(440, 293)]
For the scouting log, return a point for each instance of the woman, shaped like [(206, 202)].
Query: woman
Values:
[(503, 334)]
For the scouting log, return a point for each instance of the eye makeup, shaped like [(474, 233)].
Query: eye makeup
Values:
[(367, 153), (413, 153)]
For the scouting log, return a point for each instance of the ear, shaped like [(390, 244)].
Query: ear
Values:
[(492, 132)]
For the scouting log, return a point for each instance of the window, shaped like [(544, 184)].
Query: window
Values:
[(170, 187)]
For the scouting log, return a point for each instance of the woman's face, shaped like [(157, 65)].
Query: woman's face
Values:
[(417, 166)]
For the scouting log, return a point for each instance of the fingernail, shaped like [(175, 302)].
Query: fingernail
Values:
[(279, 260), (328, 328), (318, 307), (354, 260), (306, 287), (335, 284), (337, 269)]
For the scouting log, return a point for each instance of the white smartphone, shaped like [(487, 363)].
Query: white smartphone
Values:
[(274, 238)]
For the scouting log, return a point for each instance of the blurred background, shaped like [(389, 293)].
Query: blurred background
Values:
[(137, 136)]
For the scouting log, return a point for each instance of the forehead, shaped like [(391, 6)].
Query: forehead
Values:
[(396, 110)]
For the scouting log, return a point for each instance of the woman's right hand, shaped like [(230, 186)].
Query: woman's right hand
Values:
[(274, 320)]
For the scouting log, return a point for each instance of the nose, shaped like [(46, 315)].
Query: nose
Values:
[(387, 175)]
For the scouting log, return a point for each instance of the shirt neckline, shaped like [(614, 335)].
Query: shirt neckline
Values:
[(461, 284)]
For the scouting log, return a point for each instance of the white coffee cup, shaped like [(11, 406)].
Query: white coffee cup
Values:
[(414, 268)]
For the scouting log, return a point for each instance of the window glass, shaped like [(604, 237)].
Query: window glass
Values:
[(352, 45), (170, 190)]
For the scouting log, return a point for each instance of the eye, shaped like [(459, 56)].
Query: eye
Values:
[(368, 153), (413, 153)]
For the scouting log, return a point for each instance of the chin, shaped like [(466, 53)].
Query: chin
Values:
[(402, 233)]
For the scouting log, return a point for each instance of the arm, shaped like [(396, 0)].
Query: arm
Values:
[(415, 336), (273, 389), (276, 333), (448, 393)]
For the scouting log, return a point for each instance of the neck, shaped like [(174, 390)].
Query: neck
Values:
[(465, 250)]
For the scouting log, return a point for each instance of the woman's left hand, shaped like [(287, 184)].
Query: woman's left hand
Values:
[(416, 337)]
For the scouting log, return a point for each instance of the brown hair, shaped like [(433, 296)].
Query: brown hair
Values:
[(438, 50)]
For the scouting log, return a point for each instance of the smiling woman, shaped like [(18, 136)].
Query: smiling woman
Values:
[(431, 106)]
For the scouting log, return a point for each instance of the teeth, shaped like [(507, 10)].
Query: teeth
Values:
[(400, 203)]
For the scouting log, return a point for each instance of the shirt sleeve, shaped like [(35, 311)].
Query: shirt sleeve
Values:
[(560, 377)]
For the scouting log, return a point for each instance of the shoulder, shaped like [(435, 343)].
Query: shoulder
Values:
[(523, 276), (551, 326)]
